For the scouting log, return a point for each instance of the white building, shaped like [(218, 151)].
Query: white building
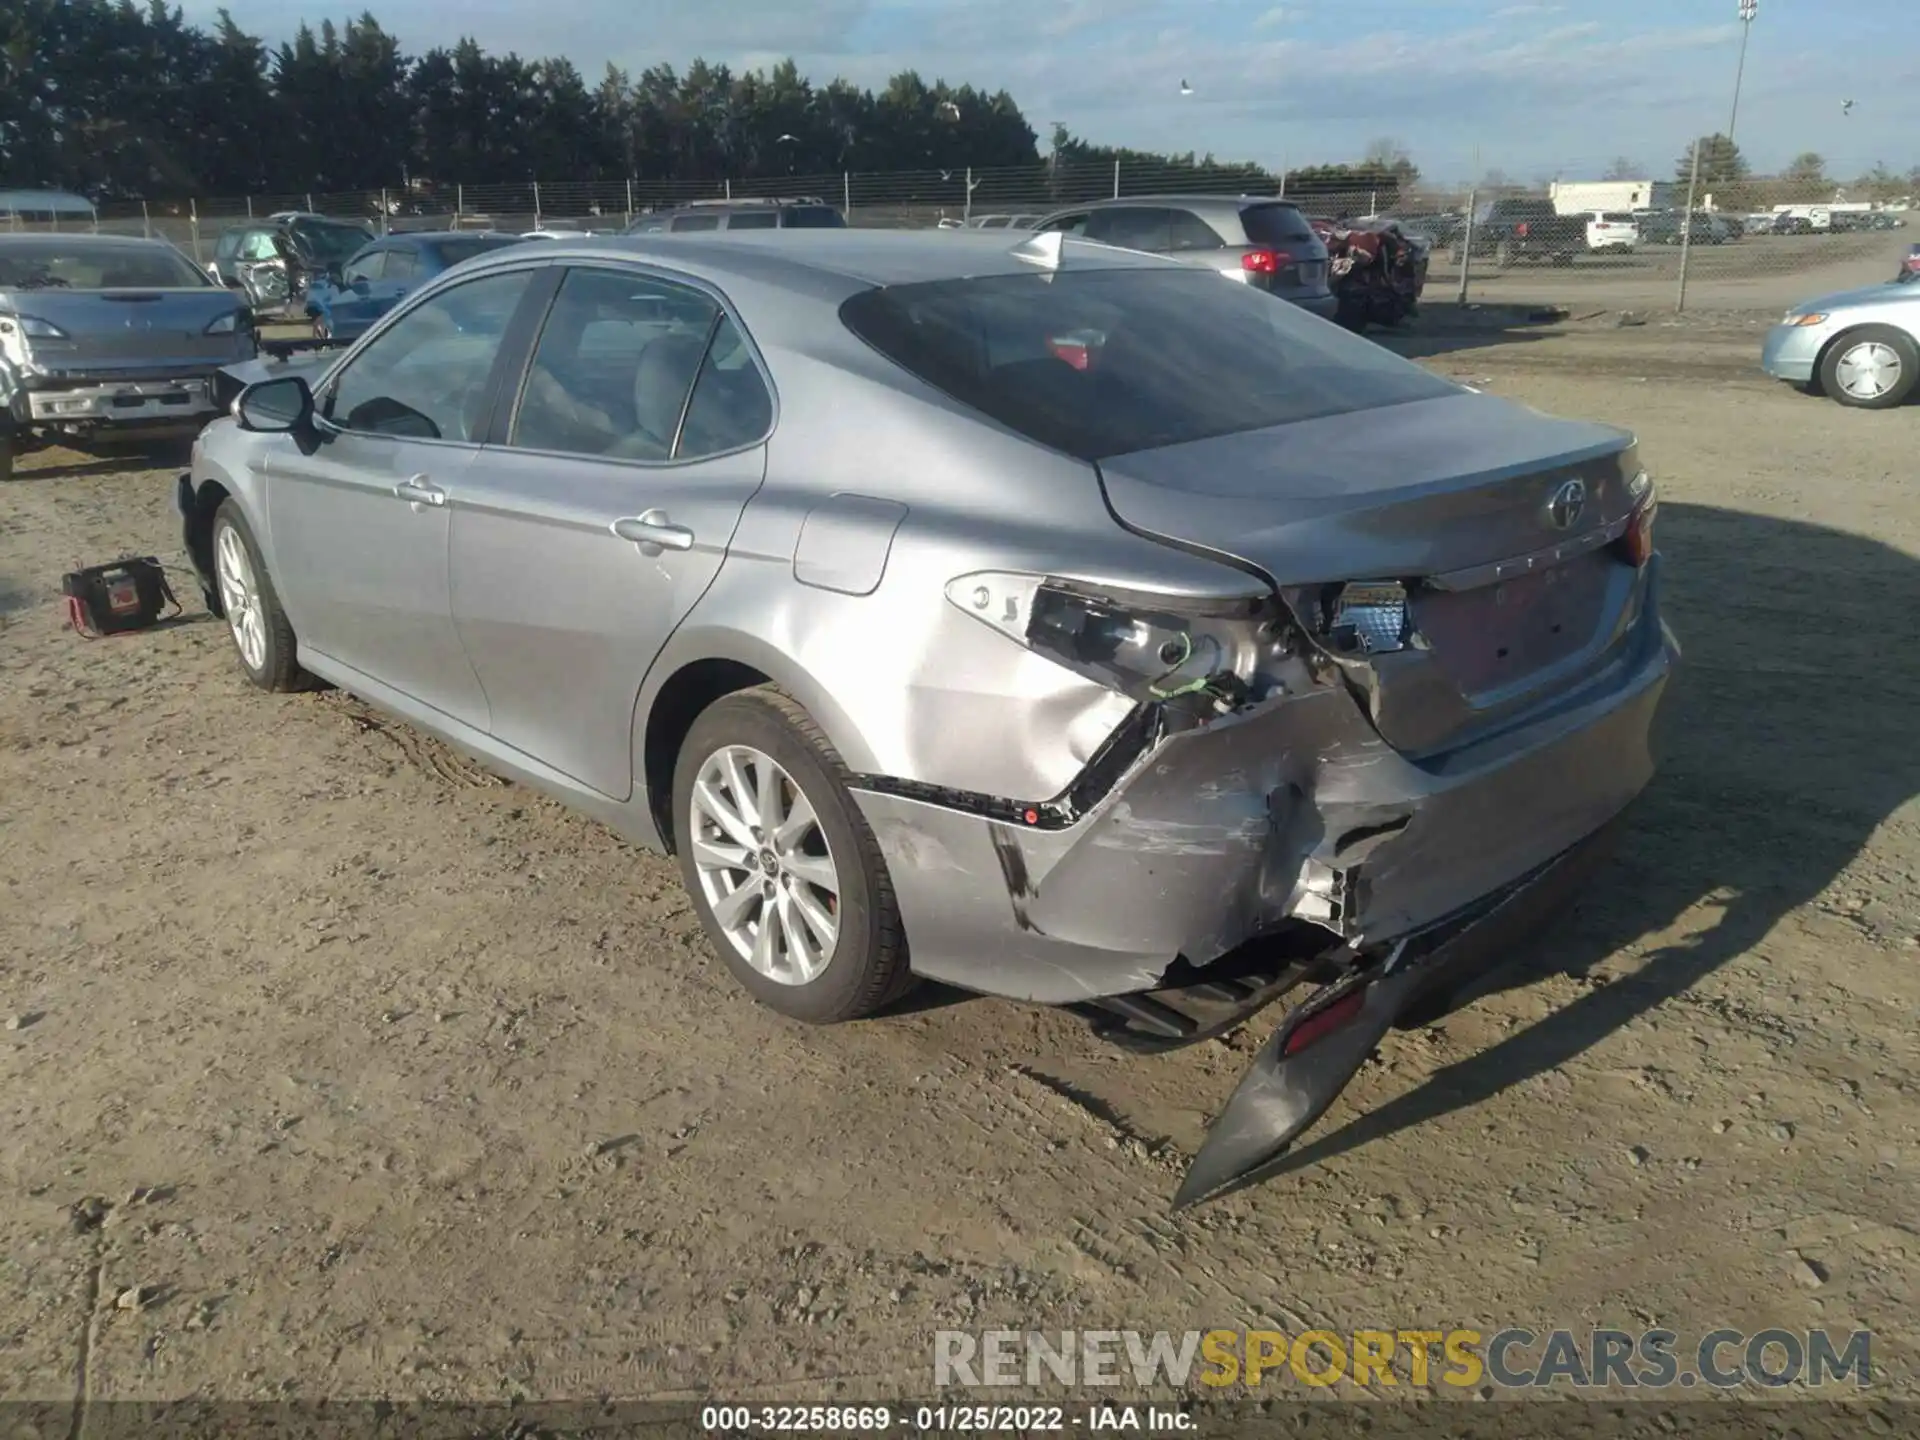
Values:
[(1576, 197)]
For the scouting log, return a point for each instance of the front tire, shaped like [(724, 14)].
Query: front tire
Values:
[(783, 869), (1873, 368), (262, 635), (7, 452)]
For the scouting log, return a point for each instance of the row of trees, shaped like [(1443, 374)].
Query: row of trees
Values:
[(118, 101)]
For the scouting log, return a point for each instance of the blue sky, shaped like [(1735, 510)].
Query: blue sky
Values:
[(1535, 89)]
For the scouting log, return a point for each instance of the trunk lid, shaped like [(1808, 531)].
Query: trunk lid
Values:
[(1453, 555), (110, 332)]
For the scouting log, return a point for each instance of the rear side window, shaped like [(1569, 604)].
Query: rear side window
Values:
[(730, 407), (1106, 362), (1132, 227), (814, 217), (695, 222), (1187, 231), (753, 220), (1275, 224)]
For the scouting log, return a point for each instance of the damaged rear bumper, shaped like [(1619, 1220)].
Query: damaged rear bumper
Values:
[(1290, 810)]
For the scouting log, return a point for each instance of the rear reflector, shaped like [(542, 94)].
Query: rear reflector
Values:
[(1324, 1022), (1264, 262)]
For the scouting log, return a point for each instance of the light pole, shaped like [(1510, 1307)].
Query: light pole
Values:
[(1748, 9)]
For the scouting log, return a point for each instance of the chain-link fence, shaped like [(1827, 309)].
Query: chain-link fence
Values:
[(1758, 243)]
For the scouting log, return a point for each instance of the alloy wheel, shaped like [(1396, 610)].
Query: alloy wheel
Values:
[(764, 864), (240, 597)]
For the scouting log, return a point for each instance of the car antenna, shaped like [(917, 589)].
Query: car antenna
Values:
[(1045, 249)]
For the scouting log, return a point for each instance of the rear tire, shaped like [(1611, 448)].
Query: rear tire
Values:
[(262, 635), (1503, 256), (775, 853), (1873, 368), (6, 456)]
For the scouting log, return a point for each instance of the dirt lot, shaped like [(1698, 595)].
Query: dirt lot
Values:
[(398, 1081)]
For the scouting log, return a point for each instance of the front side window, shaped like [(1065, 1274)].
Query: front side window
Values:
[(426, 377), (1068, 224), (616, 360), (366, 267), (1105, 362), (753, 220), (401, 264), (814, 217)]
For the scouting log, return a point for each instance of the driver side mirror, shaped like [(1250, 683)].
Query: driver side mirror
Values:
[(358, 285), (275, 407)]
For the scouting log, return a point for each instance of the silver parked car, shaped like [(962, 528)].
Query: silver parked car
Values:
[(1268, 244), (1038, 617), (105, 337), (1862, 347)]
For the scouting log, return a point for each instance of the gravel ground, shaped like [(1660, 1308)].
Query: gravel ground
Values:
[(385, 1078)]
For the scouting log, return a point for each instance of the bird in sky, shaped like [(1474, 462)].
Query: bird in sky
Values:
[(1846, 107), (1186, 89)]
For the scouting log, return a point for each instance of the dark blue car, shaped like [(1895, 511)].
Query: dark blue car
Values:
[(381, 274)]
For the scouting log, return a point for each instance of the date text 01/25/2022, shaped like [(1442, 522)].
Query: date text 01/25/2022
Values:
[(936, 1419)]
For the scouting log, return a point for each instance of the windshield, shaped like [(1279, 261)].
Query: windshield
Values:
[(79, 262), (1106, 362), (329, 244)]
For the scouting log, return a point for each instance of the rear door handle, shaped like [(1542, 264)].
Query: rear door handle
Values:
[(654, 529), (421, 491)]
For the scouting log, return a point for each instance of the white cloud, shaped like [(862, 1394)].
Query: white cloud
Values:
[(1277, 16)]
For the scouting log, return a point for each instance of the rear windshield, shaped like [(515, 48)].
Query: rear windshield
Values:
[(1617, 217), (1275, 224), (815, 217), (76, 263), (452, 252), (1107, 362)]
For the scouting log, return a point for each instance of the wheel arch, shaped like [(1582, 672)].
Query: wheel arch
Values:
[(700, 667), (208, 496)]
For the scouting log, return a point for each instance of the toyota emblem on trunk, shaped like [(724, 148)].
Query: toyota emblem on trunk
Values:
[(1563, 510)]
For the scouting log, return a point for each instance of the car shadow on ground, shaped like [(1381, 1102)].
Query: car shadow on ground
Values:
[(1443, 326), (58, 463), (1786, 740)]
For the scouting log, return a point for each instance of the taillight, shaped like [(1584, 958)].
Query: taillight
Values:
[(1324, 1022), (1264, 262), (1637, 543), (1521, 229)]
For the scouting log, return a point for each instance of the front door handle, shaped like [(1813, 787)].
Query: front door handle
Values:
[(653, 529), (420, 491)]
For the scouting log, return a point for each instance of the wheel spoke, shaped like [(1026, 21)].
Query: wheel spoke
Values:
[(742, 794), (817, 919), (799, 819), (769, 780), (762, 957), (710, 804), (730, 858), (732, 906), (815, 870), (801, 955)]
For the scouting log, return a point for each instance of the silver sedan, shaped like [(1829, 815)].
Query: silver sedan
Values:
[(1017, 612), (1861, 347)]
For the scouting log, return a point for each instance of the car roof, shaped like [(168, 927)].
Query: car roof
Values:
[(1222, 202), (84, 237), (435, 237), (842, 261)]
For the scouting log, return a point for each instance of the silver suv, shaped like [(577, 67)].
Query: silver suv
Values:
[(709, 215), (1266, 243)]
